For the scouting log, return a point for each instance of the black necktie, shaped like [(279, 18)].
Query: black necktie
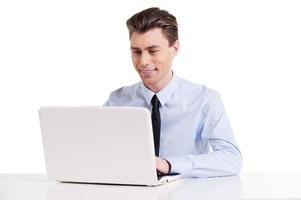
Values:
[(156, 121)]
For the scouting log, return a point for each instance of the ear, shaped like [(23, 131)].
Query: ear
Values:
[(175, 48)]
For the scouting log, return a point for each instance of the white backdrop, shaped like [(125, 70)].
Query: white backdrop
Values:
[(74, 53)]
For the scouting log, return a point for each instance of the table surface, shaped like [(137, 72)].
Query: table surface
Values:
[(247, 186)]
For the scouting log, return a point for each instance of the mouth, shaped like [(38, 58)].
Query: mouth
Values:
[(147, 73)]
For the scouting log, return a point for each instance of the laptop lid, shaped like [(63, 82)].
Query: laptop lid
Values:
[(99, 144)]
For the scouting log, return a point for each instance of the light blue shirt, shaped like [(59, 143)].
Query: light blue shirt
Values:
[(196, 136)]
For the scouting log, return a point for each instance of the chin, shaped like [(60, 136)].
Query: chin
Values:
[(148, 81)]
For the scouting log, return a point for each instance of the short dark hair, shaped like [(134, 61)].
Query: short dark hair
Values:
[(154, 17)]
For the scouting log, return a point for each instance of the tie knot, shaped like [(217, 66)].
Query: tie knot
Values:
[(155, 102)]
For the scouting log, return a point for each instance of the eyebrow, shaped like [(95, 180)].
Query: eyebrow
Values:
[(149, 47)]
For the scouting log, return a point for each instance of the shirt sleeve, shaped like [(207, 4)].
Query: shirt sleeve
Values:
[(107, 103), (224, 159)]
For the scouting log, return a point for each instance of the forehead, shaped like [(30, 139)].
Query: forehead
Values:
[(152, 37)]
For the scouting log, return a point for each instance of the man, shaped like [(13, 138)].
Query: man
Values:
[(192, 134)]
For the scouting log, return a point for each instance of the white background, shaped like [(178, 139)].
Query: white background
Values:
[(75, 53)]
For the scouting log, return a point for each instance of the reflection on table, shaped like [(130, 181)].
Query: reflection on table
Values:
[(209, 189)]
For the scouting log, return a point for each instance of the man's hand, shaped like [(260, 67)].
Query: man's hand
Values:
[(162, 165)]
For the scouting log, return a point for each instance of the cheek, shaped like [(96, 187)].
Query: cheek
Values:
[(164, 60), (134, 60)]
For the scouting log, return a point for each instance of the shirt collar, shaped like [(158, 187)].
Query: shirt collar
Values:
[(162, 95)]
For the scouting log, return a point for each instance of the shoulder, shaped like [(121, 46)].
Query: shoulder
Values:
[(206, 99), (122, 95), (197, 90), (125, 90)]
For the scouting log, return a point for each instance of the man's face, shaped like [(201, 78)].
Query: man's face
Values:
[(152, 57)]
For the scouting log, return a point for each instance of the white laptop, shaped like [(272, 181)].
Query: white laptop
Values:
[(111, 145)]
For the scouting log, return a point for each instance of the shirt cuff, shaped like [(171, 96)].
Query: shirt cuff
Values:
[(179, 164)]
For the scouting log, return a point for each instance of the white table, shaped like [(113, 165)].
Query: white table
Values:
[(246, 186)]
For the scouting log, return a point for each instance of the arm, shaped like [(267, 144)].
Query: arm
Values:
[(224, 159)]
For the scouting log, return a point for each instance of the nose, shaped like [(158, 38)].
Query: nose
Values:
[(144, 59)]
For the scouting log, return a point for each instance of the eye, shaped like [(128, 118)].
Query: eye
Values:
[(153, 51), (136, 52)]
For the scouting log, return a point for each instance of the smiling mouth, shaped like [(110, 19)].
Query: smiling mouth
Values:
[(147, 73)]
